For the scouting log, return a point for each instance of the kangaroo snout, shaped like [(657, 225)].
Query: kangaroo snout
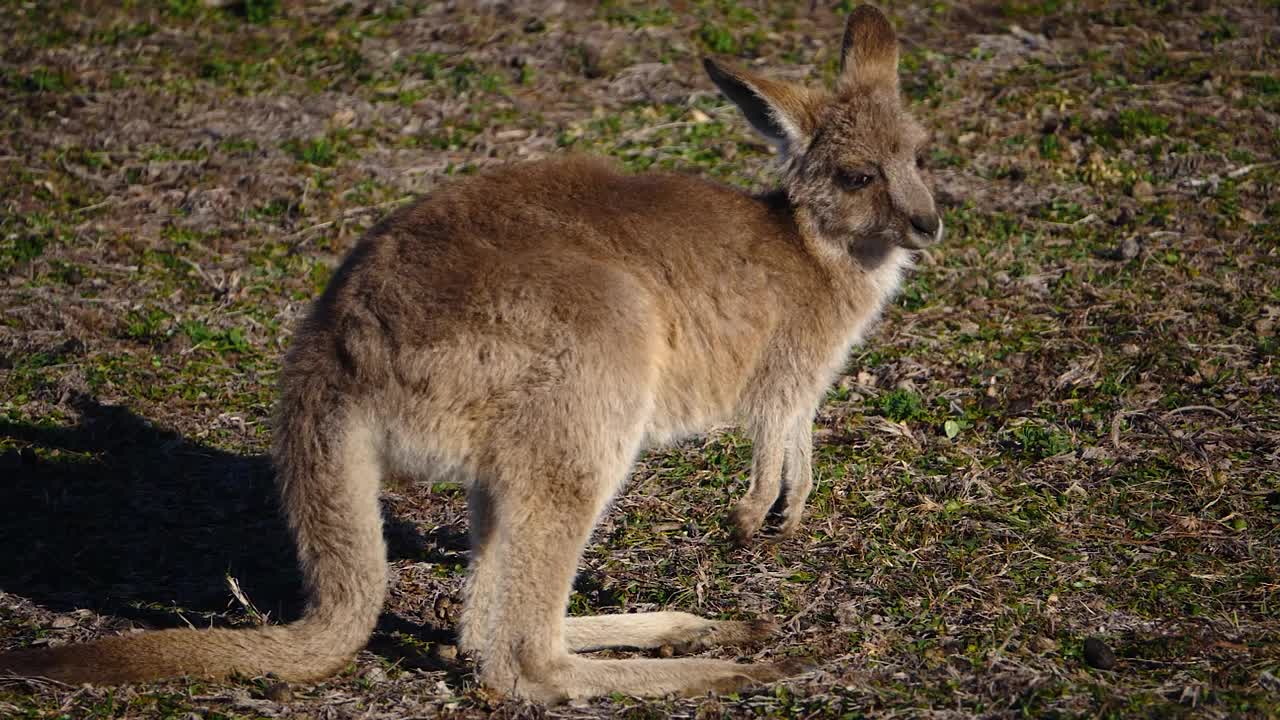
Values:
[(925, 230)]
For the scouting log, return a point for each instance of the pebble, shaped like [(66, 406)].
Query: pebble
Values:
[(278, 692), (1128, 248), (344, 118), (446, 653), (1097, 654)]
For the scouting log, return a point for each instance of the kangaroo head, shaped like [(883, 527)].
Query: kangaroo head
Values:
[(851, 154)]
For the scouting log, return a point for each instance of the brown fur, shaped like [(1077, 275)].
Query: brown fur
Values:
[(870, 45), (532, 329)]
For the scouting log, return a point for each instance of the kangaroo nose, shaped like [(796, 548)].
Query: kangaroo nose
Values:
[(925, 224)]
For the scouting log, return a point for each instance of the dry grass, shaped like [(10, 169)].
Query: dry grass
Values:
[(1066, 427)]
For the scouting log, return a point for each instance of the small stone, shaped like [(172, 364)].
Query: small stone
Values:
[(1098, 655), (63, 621), (591, 61), (375, 675), (446, 609), (278, 692), (71, 346), (343, 118), (849, 613), (1269, 681), (1142, 190), (1128, 248), (445, 653), (967, 139), (1091, 453), (710, 708)]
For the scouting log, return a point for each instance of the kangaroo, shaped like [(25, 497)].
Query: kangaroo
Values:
[(531, 330)]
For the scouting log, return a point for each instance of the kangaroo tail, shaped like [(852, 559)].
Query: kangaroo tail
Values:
[(328, 476)]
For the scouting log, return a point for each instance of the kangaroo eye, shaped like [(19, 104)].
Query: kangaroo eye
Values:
[(853, 180), (920, 161)]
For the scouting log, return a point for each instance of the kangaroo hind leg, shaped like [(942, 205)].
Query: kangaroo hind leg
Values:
[(542, 525), (680, 632), (481, 590)]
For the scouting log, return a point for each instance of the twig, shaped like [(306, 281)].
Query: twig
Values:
[(8, 678), (96, 205), (83, 175), (647, 131), (1082, 221), (1186, 444), (1246, 169), (1164, 663), (348, 214), (1194, 408), (244, 601)]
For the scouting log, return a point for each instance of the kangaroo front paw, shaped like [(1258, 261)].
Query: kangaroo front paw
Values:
[(745, 522), (791, 519)]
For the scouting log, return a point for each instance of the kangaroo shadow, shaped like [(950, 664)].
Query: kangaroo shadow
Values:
[(123, 517)]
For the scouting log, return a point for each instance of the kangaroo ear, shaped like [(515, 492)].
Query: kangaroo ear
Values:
[(870, 52), (782, 112)]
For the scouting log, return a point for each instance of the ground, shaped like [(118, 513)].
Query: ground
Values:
[(1066, 428)]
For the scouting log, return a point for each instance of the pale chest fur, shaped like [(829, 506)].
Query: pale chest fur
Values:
[(880, 286), (797, 363)]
